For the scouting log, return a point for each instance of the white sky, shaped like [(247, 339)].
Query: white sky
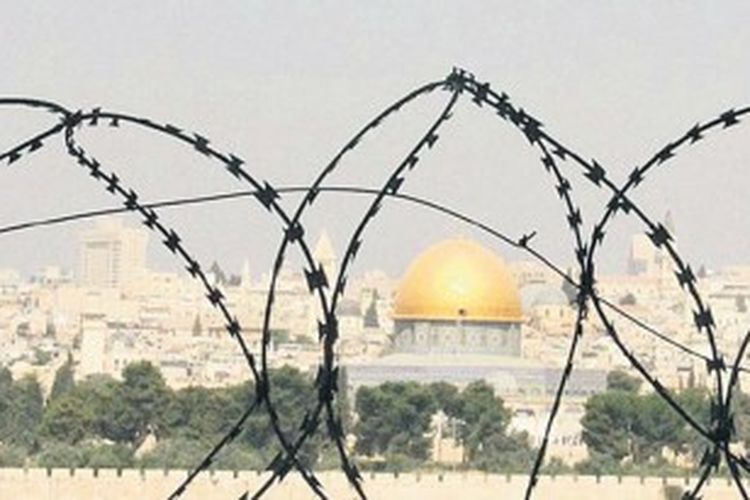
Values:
[(284, 85)]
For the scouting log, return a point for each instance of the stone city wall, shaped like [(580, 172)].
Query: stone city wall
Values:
[(129, 484)]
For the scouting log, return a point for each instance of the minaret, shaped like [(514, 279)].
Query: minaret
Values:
[(325, 255)]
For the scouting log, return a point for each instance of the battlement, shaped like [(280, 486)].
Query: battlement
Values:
[(85, 484)]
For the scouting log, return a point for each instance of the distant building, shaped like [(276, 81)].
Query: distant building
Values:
[(457, 297), (457, 318), (93, 353), (112, 255), (645, 258)]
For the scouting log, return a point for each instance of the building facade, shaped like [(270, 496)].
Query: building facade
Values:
[(457, 297), (112, 255)]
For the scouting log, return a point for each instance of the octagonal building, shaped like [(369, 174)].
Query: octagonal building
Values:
[(457, 297)]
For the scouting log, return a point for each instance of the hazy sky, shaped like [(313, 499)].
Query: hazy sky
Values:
[(285, 84)]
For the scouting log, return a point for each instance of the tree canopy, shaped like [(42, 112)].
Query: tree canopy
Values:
[(394, 421), (101, 422), (64, 380), (620, 425)]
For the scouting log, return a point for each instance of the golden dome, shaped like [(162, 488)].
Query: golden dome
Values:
[(458, 279)]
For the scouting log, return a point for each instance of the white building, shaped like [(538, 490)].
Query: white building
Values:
[(112, 255)]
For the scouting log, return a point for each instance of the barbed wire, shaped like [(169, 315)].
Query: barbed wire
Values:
[(328, 329), (267, 197), (404, 197), (720, 430)]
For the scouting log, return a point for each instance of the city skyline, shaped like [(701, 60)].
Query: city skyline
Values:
[(557, 279), (155, 258), (619, 102)]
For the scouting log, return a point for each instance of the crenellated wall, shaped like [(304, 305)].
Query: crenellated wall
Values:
[(132, 484)]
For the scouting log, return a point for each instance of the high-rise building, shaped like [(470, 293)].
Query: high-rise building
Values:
[(111, 254)]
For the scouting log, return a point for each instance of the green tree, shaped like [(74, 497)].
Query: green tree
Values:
[(655, 426), (66, 420), (177, 453), (343, 403), (110, 456), (620, 424), (280, 336), (488, 444), (6, 377), (697, 402), (598, 464), (741, 405), (618, 380), (12, 456), (242, 458), (23, 414), (41, 357), (64, 381), (446, 397), (55, 454), (202, 415), (393, 419), (96, 395), (608, 422), (555, 466), (196, 413), (293, 395), (6, 385), (138, 405)]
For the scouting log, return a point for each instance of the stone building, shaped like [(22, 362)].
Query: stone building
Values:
[(457, 297)]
